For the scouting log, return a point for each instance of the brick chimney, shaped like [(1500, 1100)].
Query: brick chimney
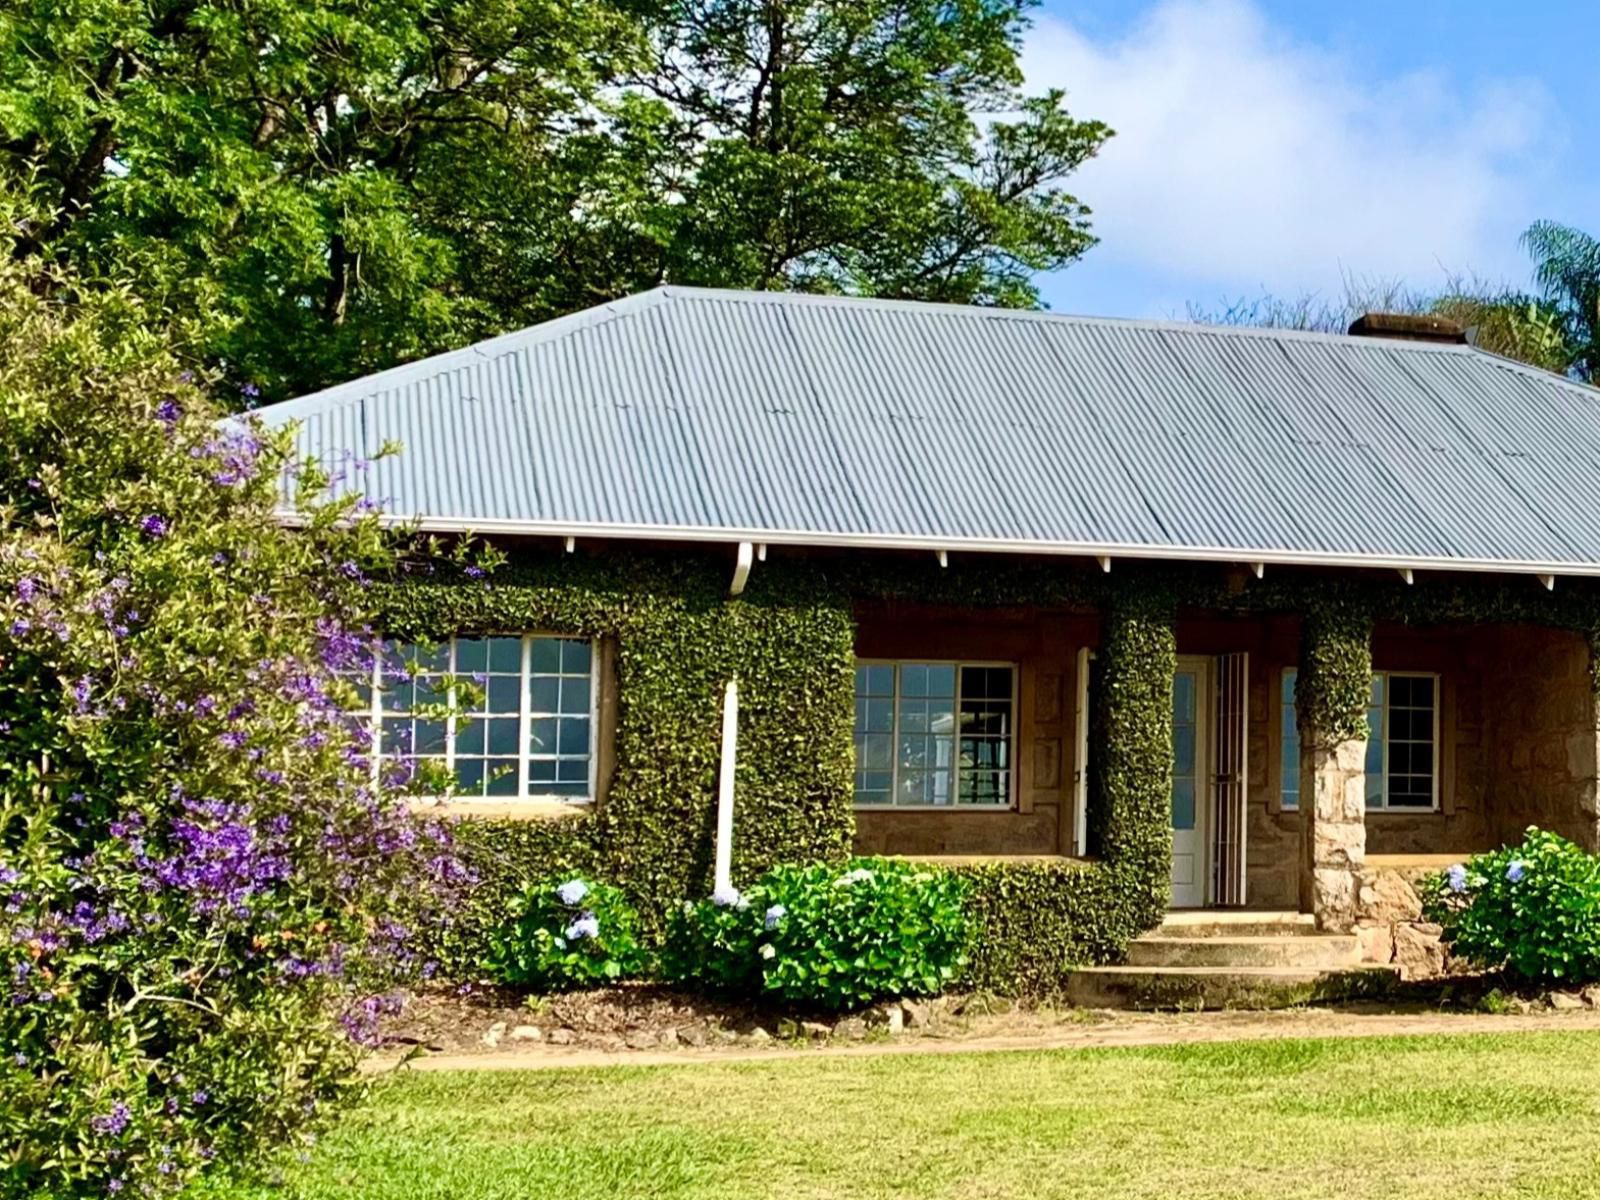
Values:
[(1409, 327)]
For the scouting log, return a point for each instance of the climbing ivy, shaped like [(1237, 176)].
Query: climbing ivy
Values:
[(678, 638), (1335, 676), (790, 639)]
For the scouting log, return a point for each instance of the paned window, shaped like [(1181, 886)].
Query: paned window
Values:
[(531, 733), (1402, 765), (934, 734)]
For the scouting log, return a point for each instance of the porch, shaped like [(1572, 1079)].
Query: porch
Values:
[(977, 737)]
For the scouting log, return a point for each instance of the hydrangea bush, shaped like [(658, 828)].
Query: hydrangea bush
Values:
[(568, 933), (828, 936), (200, 866), (1533, 909)]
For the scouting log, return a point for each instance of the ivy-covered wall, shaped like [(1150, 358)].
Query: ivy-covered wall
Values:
[(678, 637)]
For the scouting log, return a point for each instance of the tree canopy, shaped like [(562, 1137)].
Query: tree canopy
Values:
[(315, 189)]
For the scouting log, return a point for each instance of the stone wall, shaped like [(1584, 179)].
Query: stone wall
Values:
[(1390, 927), (1542, 742), (1519, 741)]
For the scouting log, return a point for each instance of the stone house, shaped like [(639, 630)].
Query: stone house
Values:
[(1457, 490)]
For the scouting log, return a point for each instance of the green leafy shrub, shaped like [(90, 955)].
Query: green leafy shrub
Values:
[(500, 856), (1533, 909), (826, 935), (569, 933), (201, 874)]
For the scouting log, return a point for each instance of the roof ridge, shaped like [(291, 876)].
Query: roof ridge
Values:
[(1047, 316), (365, 386)]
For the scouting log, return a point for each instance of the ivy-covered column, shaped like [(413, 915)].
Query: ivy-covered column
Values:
[(1134, 792), (1334, 683)]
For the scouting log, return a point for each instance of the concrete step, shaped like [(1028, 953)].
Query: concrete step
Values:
[(1235, 922), (1315, 951), (1221, 987)]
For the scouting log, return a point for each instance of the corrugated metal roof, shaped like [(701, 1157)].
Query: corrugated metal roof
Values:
[(775, 417)]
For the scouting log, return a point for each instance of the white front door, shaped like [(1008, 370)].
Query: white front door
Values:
[(1189, 712)]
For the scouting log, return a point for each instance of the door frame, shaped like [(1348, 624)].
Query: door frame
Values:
[(1203, 667)]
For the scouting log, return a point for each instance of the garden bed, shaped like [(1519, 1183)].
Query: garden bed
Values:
[(485, 1020), (644, 1016)]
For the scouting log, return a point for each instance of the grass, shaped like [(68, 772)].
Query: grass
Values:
[(1459, 1116)]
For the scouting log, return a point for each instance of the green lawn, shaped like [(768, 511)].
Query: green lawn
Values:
[(1439, 1117)]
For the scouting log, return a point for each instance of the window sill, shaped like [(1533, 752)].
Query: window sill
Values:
[(980, 860), (989, 809), (506, 810), (1381, 812)]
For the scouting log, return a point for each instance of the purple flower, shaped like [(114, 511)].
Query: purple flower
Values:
[(586, 926), (474, 572), (250, 391), (20, 627), (1515, 871), (572, 892), (234, 739), (168, 412), (1456, 878), (80, 693), (114, 1122), (154, 526)]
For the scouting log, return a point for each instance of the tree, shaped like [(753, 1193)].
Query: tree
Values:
[(273, 173), (1567, 268), (1498, 319), (318, 188), (202, 877)]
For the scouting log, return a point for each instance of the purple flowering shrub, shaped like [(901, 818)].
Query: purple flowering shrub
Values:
[(1531, 909), (567, 933), (202, 872)]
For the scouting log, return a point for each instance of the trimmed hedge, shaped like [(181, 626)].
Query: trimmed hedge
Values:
[(1034, 922), (503, 857), (1334, 683)]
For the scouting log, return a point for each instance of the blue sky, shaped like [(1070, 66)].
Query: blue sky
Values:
[(1279, 145)]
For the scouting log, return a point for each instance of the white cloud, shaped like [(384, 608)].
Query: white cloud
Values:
[(1245, 160)]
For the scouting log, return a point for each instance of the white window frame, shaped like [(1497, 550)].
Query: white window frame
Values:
[(1438, 704), (1283, 779), (375, 715), (1010, 802), (1383, 806)]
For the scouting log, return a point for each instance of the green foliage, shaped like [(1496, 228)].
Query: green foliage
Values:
[(563, 933), (303, 182), (501, 859), (319, 189), (825, 935), (1133, 775), (1035, 922), (678, 638), (1533, 909), (1335, 676), (1517, 326), (673, 624), (202, 879), (1567, 267)]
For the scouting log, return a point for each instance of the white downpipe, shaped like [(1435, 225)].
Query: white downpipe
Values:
[(730, 753)]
